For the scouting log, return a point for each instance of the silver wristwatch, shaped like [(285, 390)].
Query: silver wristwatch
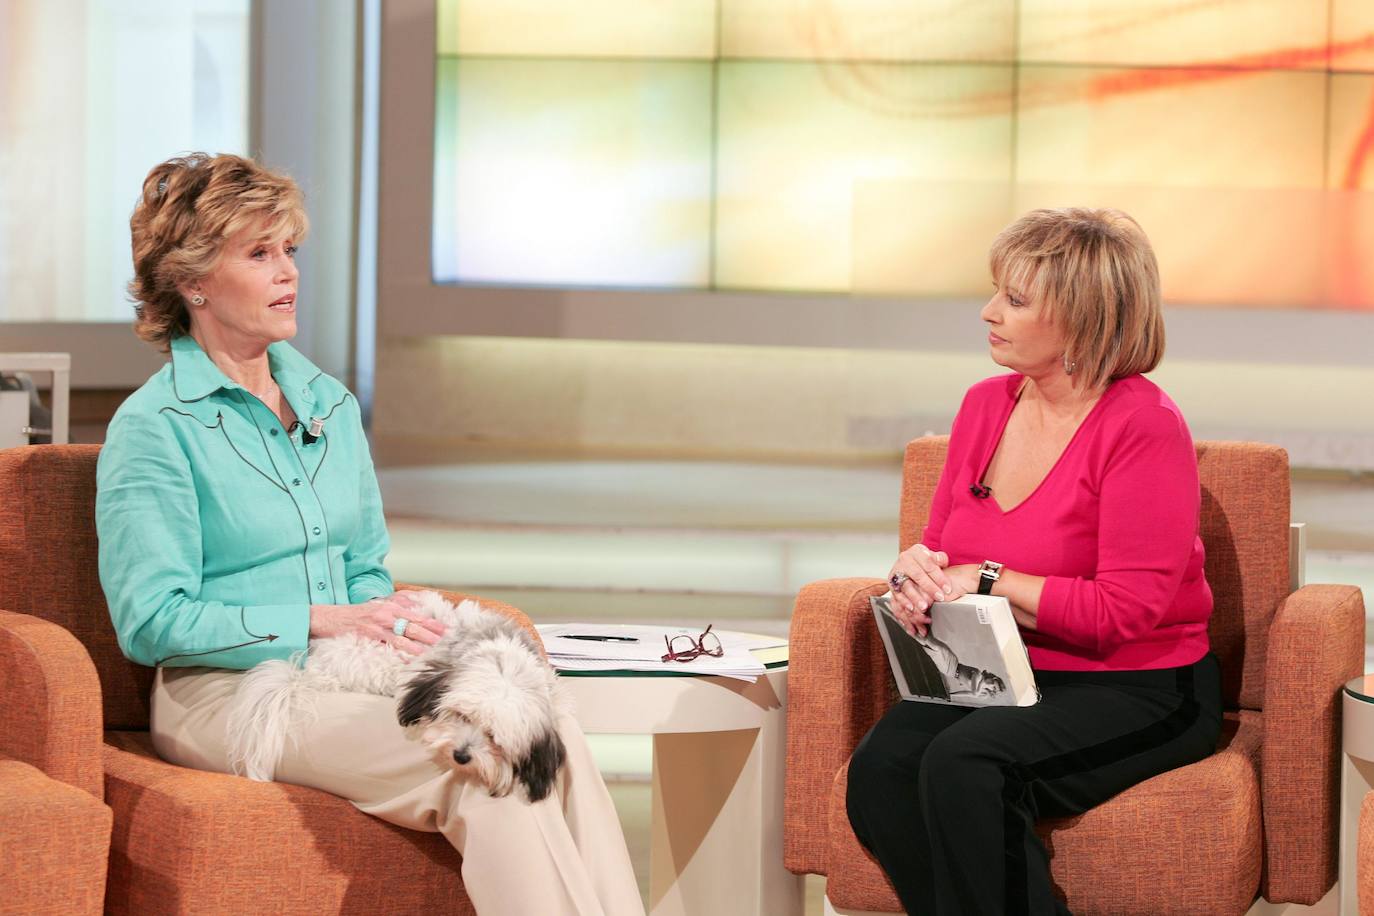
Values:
[(988, 573)]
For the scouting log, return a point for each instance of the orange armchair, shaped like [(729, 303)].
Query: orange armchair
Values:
[(1257, 817), (184, 841)]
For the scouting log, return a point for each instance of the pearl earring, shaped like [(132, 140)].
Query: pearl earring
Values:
[(197, 299), (1069, 366)]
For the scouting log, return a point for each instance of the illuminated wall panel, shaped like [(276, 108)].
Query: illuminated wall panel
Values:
[(784, 221), (576, 172), (895, 254), (1271, 247), (888, 30), (1350, 165), (1225, 129), (1350, 207), (876, 146), (578, 28), (1352, 35), (1265, 33), (1349, 270)]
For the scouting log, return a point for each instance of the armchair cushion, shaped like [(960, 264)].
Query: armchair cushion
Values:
[(48, 547), (1207, 812), (187, 841)]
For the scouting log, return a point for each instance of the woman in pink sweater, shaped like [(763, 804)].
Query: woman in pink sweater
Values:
[(1070, 489)]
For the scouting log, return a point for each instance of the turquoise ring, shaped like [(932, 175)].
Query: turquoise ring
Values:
[(399, 627)]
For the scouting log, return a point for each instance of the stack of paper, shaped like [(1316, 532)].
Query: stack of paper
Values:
[(613, 647)]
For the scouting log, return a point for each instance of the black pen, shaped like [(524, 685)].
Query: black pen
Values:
[(604, 638)]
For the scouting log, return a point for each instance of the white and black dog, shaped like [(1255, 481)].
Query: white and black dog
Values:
[(483, 698)]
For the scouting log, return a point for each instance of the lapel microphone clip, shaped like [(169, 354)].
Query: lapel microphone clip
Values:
[(312, 435)]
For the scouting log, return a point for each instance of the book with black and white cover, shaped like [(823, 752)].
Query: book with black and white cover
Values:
[(972, 654)]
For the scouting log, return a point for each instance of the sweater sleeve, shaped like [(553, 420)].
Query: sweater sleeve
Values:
[(148, 521), (1148, 522)]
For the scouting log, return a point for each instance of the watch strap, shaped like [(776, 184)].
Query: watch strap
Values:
[(988, 573)]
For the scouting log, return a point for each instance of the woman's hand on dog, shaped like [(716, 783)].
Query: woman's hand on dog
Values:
[(374, 621)]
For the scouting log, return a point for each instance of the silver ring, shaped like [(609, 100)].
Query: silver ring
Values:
[(898, 580), (399, 626)]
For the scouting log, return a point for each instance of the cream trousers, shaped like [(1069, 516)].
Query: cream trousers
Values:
[(565, 854)]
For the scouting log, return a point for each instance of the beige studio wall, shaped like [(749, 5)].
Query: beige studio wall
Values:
[(456, 398)]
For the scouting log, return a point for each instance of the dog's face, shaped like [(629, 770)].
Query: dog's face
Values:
[(470, 749), (486, 712)]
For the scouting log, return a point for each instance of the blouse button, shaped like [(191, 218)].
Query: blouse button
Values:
[(295, 481), (316, 529), (320, 585), (273, 431)]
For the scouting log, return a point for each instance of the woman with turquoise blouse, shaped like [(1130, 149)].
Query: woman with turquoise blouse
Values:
[(199, 562), (239, 517)]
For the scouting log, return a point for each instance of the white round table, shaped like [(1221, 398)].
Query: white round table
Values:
[(720, 749)]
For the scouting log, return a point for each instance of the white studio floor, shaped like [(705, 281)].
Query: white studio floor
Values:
[(694, 542)]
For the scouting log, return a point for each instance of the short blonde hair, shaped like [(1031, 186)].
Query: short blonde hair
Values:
[(1097, 275), (190, 206)]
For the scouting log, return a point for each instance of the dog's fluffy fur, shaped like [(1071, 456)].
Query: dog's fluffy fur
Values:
[(483, 698)]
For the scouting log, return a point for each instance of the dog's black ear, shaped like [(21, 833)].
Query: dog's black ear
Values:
[(420, 698), (539, 770)]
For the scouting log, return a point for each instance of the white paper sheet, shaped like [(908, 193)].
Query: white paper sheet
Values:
[(612, 650)]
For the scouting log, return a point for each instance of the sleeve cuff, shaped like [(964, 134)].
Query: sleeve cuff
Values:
[(365, 588), (289, 623), (263, 633)]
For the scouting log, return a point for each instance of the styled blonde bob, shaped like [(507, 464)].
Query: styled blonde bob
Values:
[(190, 207), (1096, 274)]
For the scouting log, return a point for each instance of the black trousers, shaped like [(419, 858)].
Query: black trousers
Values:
[(946, 798)]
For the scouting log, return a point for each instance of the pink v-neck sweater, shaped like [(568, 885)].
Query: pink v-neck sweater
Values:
[(1113, 528)]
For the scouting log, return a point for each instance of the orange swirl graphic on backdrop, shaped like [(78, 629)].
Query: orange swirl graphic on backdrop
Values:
[(876, 86)]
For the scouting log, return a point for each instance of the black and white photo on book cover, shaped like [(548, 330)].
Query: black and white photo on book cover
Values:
[(972, 654)]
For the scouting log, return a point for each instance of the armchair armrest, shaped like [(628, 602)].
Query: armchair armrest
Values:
[(1316, 644), (51, 716), (509, 610), (54, 841), (838, 685)]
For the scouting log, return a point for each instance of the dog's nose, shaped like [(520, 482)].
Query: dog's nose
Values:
[(462, 757)]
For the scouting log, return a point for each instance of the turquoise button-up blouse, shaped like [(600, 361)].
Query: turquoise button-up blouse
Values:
[(219, 528)]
